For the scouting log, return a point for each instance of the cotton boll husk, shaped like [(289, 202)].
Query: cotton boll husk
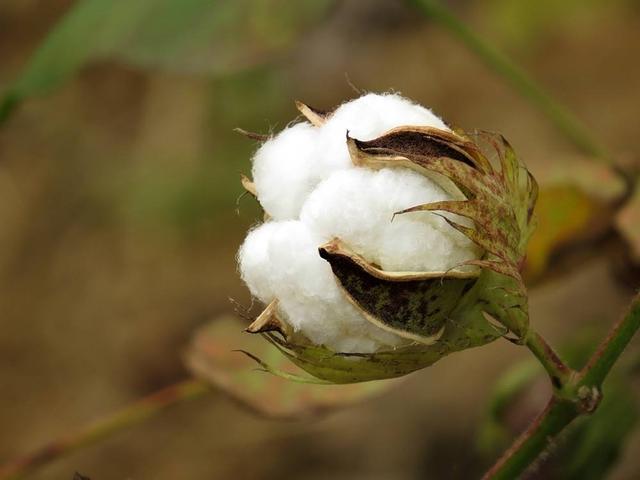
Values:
[(280, 260), (366, 118), (284, 170), (357, 206)]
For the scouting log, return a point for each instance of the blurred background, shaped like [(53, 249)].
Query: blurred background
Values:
[(120, 217)]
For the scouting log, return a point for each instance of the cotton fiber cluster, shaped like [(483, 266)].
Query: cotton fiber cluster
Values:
[(311, 191)]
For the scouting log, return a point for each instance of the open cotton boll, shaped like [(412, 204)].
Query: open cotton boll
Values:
[(284, 170), (357, 206), (307, 184), (366, 118), (280, 260)]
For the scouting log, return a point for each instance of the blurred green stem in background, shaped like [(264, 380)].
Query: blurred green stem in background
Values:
[(137, 412), (561, 117)]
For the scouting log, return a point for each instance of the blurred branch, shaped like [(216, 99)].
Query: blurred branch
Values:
[(133, 414), (7, 105), (535, 440), (580, 396), (563, 119), (612, 347)]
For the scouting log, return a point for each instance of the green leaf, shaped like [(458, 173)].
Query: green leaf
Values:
[(213, 355), (192, 36)]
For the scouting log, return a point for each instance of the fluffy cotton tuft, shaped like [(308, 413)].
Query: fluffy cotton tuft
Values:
[(284, 170), (357, 206), (307, 185), (289, 166), (279, 260), (366, 118)]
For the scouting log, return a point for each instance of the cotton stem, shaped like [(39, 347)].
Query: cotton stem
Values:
[(580, 395)]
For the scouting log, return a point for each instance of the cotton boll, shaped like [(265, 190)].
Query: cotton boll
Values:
[(286, 266), (357, 206), (284, 170), (306, 182), (366, 118)]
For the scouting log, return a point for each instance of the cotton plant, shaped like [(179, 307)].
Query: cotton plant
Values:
[(389, 240)]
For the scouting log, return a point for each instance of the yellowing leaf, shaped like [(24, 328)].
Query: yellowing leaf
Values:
[(564, 213), (628, 223), (576, 204)]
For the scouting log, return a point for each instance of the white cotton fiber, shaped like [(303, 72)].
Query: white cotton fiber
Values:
[(287, 167), (280, 260), (306, 183), (366, 118), (284, 170), (357, 206), (255, 267)]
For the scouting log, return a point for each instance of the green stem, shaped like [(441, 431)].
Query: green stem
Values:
[(563, 119), (133, 414), (580, 396), (559, 373)]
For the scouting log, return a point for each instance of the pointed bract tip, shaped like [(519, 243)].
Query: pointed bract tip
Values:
[(260, 137), (316, 117)]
